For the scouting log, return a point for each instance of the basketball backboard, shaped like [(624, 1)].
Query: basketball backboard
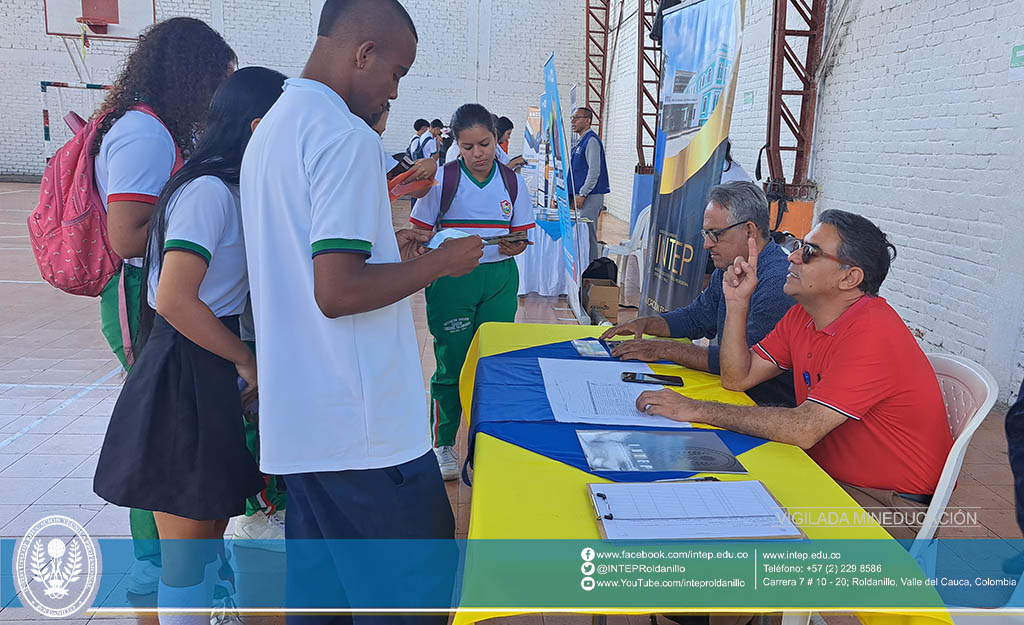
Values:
[(106, 19)]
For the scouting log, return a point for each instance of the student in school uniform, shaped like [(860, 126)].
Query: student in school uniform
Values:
[(415, 151), (342, 411), (179, 412), (150, 118), (505, 127), (432, 145), (456, 307)]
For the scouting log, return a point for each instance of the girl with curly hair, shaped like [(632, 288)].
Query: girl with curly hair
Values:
[(150, 119)]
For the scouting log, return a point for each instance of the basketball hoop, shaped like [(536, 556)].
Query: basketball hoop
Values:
[(97, 15), (97, 26)]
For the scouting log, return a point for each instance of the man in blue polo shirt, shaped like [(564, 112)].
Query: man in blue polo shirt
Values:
[(736, 212), (589, 172)]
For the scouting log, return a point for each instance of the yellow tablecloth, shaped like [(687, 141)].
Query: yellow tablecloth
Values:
[(508, 480)]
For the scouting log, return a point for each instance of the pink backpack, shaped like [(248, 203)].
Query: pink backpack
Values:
[(68, 228)]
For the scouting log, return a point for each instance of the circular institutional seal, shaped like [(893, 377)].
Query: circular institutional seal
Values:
[(56, 573)]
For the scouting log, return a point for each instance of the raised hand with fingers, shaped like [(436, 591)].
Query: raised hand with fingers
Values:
[(740, 278)]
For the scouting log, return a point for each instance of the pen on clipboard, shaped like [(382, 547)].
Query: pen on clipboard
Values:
[(690, 479)]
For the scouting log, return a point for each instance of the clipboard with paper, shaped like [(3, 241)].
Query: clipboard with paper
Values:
[(691, 510)]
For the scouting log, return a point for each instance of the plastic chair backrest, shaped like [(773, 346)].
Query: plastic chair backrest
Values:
[(969, 392), (639, 239)]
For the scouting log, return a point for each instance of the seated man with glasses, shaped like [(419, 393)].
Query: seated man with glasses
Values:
[(870, 411), (736, 213)]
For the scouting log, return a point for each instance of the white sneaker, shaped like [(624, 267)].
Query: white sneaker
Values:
[(448, 461), (225, 613), (260, 531), (143, 578)]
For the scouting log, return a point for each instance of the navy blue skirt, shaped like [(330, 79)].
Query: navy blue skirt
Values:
[(175, 442)]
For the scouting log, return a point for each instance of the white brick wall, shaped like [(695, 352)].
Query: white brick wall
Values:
[(620, 110), (470, 51)]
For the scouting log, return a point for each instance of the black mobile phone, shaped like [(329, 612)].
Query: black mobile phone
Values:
[(404, 163), (652, 378)]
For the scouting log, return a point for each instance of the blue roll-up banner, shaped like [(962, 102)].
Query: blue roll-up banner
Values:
[(701, 44), (560, 162)]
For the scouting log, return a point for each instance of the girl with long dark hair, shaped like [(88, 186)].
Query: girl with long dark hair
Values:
[(148, 124), (485, 203), (179, 413)]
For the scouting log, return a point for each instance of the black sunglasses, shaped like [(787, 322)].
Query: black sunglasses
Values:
[(810, 250), (712, 235)]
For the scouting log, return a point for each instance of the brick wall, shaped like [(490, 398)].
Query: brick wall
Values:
[(470, 51)]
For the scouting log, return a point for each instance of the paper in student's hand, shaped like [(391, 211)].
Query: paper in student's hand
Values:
[(442, 236)]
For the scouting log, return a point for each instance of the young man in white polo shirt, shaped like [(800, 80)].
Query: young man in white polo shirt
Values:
[(343, 413)]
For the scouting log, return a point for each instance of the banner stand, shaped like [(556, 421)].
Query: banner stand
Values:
[(563, 178)]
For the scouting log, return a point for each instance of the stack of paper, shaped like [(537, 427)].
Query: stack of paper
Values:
[(690, 510), (593, 392)]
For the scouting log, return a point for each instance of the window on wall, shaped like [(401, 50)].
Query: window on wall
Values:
[(721, 71), (715, 102), (704, 104)]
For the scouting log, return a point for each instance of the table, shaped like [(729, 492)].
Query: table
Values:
[(541, 268), (509, 479)]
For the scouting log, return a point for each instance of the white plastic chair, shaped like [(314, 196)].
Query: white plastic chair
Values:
[(634, 247), (969, 392)]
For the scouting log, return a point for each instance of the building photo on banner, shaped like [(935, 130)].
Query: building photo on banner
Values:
[(706, 312)]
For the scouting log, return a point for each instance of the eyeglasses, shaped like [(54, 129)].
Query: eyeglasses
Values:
[(810, 250), (712, 235), (579, 117)]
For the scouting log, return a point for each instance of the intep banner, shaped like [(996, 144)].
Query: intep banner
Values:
[(701, 44)]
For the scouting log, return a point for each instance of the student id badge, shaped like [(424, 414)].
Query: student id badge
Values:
[(591, 348)]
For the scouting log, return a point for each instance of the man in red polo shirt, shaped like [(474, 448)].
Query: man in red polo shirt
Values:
[(869, 410)]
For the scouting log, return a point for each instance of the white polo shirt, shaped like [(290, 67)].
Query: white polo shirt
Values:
[(335, 394), (501, 155), (452, 153), (134, 162), (204, 218), (429, 145), (482, 208)]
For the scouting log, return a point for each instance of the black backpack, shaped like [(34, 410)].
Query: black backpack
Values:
[(602, 269), (417, 154)]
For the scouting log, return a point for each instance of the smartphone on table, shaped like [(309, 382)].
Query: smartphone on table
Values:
[(652, 378)]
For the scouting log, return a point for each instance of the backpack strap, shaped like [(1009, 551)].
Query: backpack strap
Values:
[(449, 185), (142, 107), (511, 181)]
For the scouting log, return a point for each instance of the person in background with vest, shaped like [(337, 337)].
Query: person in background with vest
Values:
[(589, 172), (179, 413), (482, 201), (151, 117)]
